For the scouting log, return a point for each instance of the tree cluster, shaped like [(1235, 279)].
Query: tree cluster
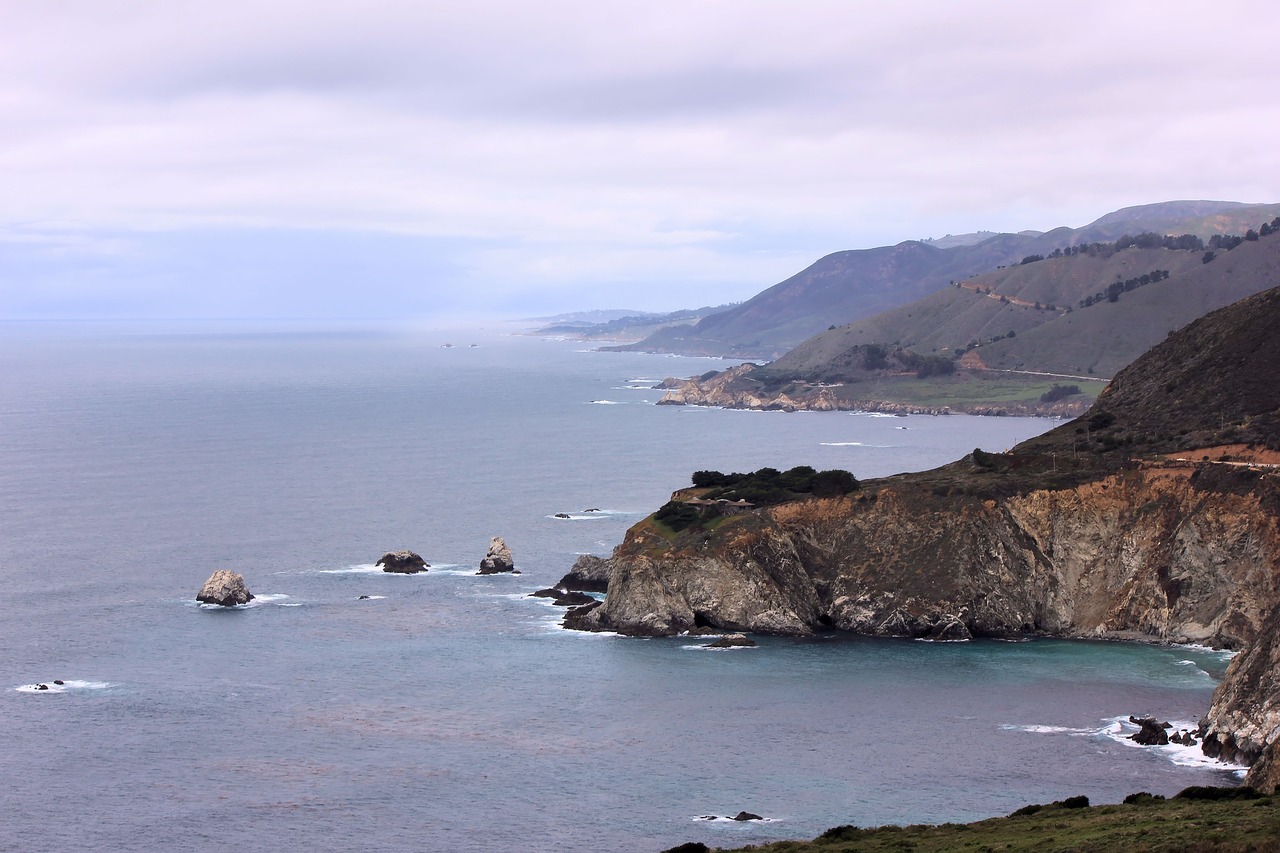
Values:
[(1113, 291), (769, 486), (1059, 392), (1227, 242)]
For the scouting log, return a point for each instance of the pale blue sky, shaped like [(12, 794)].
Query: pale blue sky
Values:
[(414, 159)]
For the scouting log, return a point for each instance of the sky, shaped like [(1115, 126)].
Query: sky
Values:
[(417, 159)]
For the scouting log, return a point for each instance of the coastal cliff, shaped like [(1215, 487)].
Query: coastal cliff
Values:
[(1155, 551), (1154, 516)]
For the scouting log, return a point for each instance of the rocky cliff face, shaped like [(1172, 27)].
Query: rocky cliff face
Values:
[(1147, 552)]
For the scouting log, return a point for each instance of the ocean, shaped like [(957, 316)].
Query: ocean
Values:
[(449, 711)]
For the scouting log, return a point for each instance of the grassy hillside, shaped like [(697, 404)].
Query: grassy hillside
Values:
[(1031, 316), (848, 286)]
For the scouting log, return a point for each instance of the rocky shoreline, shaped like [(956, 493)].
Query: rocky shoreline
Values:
[(733, 389)]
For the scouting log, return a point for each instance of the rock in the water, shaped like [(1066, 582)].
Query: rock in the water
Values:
[(562, 515), (1150, 731), (402, 563), (747, 816), (498, 559), (226, 588), (588, 574), (732, 641)]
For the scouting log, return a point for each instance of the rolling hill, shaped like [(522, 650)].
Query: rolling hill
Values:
[(993, 343), (851, 285)]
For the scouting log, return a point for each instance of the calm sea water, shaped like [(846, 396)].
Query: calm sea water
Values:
[(448, 711)]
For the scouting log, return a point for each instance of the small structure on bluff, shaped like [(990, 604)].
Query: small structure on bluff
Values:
[(498, 559), (225, 588), (402, 563)]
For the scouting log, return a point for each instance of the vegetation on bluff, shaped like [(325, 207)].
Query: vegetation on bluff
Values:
[(765, 487), (1198, 819)]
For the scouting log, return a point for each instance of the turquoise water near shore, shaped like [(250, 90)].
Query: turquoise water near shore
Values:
[(449, 711)]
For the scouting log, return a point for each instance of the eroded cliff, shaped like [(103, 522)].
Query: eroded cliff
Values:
[(1151, 551)]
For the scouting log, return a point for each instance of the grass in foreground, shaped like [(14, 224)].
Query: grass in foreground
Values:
[(1188, 823)]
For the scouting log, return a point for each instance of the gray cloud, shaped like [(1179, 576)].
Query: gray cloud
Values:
[(626, 151)]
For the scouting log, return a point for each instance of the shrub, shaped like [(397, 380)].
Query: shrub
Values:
[(1209, 792), (677, 515), (844, 832), (1059, 392)]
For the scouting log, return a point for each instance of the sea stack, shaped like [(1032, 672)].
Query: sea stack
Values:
[(498, 559), (402, 563), (225, 588)]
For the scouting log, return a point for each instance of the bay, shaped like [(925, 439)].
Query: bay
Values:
[(448, 711)]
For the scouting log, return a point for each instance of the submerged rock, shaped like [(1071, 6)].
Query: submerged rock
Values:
[(732, 641), (403, 562), (741, 816), (498, 559), (225, 588)]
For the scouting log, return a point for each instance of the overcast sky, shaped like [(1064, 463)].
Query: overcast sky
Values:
[(412, 158)]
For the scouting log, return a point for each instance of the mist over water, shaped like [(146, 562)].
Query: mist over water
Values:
[(449, 711)]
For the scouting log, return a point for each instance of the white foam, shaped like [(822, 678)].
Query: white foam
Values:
[(362, 568), (1222, 654), (279, 599), (710, 818), (1119, 729), (604, 403), (1048, 730), (707, 647), (372, 598), (66, 686), (853, 444), (588, 516), (446, 569)]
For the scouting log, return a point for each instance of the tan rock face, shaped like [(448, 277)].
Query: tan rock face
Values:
[(225, 588), (498, 558), (1141, 554)]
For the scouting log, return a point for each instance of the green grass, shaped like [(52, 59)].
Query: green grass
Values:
[(964, 389), (1168, 826)]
